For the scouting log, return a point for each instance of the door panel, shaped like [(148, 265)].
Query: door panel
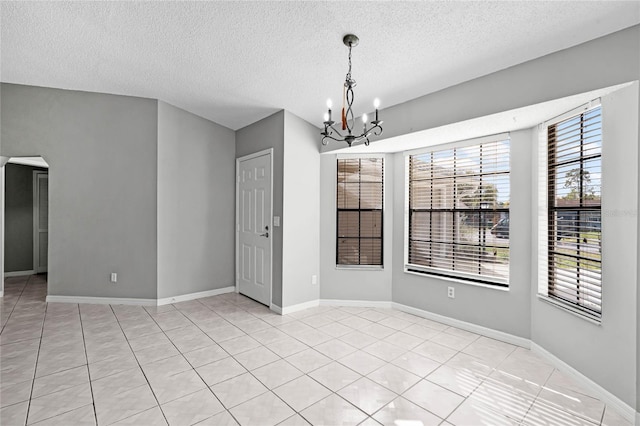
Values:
[(254, 228), (41, 222)]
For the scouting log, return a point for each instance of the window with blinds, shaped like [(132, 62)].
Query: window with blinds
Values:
[(574, 221), (458, 215), (359, 211)]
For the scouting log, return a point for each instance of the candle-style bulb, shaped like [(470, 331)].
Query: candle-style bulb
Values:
[(364, 118), (329, 103), (376, 103)]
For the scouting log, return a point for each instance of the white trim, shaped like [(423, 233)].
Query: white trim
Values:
[(459, 144), (573, 310), (1, 293), (275, 308), (299, 307), (255, 155), (356, 303), (28, 161), (268, 151), (604, 395), (37, 175), (572, 113), (360, 155), (101, 300), (373, 268), (474, 328), (193, 296), (141, 302), (462, 278), (19, 273), (2, 230)]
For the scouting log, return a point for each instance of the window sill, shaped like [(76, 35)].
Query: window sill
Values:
[(456, 280), (359, 268), (570, 309)]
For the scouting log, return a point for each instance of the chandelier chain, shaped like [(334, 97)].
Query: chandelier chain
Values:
[(349, 72)]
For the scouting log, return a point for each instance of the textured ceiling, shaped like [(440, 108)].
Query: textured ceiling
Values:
[(237, 62)]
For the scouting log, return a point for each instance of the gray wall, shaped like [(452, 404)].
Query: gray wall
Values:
[(102, 154), (354, 284), (196, 203), (264, 134), (604, 62), (301, 212), (599, 63), (19, 217), (510, 311), (606, 353)]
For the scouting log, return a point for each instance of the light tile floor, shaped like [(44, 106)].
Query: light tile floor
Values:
[(227, 360)]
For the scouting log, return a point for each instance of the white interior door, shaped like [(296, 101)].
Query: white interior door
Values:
[(253, 255), (40, 221)]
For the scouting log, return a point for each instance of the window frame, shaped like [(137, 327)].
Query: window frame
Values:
[(443, 274), (546, 230), (363, 266)]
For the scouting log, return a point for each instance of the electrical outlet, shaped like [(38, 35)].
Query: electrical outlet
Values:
[(314, 279), (451, 292), (114, 277)]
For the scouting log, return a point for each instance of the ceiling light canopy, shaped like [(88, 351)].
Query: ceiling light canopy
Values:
[(347, 120)]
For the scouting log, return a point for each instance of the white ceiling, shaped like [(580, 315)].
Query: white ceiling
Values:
[(235, 62)]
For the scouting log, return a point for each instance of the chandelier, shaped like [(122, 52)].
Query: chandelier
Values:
[(347, 120)]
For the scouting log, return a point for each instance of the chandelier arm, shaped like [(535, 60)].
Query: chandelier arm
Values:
[(328, 136), (337, 131)]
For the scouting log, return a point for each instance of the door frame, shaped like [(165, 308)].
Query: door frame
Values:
[(36, 217), (2, 190), (269, 152)]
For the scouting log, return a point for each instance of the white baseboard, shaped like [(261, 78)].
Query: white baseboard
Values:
[(141, 302), (101, 300), (356, 303), (474, 328), (275, 308), (299, 307), (604, 395), (193, 296), (18, 273)]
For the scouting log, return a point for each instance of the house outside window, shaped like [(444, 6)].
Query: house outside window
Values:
[(359, 215), (573, 221), (458, 212)]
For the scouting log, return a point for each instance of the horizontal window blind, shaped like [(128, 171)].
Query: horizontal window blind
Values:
[(574, 211), (360, 197), (459, 212)]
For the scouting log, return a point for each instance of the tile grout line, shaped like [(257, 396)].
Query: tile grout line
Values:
[(44, 318), (84, 343), (307, 374), (216, 343), (234, 358), (15, 304), (185, 358), (51, 393), (141, 370)]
